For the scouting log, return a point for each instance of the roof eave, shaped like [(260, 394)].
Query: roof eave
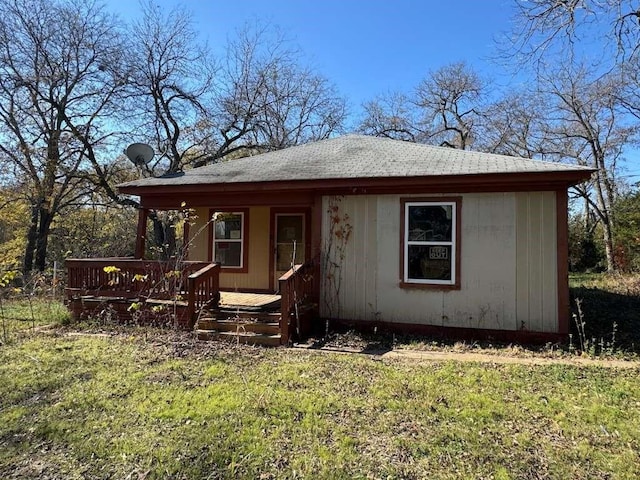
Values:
[(486, 182)]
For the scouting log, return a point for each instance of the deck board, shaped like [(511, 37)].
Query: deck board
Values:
[(248, 300)]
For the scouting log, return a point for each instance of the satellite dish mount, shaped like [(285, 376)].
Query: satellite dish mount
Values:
[(139, 153)]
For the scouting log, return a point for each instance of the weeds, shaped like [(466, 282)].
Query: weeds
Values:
[(590, 346), (27, 304), (578, 318), (606, 321), (164, 407)]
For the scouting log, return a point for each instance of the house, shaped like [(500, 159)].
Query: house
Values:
[(384, 233)]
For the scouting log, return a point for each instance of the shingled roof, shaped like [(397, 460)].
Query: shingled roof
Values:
[(356, 156)]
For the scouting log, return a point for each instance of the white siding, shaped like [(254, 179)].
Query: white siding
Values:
[(491, 296), (351, 292), (537, 279)]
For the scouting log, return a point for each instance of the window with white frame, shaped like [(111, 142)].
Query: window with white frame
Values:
[(430, 242), (228, 239)]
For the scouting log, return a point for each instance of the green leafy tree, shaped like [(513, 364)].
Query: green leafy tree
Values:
[(586, 253), (14, 223), (94, 230), (627, 231)]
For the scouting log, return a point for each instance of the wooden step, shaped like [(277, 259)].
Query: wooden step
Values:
[(166, 303), (246, 316), (271, 328), (248, 338)]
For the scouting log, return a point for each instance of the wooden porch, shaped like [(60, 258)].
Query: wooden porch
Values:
[(187, 295)]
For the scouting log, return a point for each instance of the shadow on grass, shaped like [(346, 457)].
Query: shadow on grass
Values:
[(601, 309), (607, 316), (370, 342), (344, 338)]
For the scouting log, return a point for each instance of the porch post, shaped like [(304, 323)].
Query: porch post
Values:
[(316, 247), (141, 233), (316, 225), (185, 241)]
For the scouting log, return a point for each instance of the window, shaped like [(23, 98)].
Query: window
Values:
[(431, 242), (229, 239)]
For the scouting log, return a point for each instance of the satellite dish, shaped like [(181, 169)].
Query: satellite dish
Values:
[(139, 153)]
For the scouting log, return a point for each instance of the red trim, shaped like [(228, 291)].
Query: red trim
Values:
[(302, 193), (171, 199), (245, 239), (490, 182), (431, 286), (562, 236), (506, 336), (307, 235)]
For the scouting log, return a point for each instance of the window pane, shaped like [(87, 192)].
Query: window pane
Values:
[(430, 262), (228, 226), (430, 223), (228, 254), (290, 228)]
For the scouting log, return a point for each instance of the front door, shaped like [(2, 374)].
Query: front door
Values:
[(290, 242)]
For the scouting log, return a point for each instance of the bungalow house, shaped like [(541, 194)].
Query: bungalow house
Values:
[(364, 231)]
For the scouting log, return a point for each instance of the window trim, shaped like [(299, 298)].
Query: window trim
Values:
[(244, 243), (405, 282)]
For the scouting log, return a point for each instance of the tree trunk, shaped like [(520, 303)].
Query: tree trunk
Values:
[(30, 248), (42, 239), (605, 217), (164, 235), (608, 246)]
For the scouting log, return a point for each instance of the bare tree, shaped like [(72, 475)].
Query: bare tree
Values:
[(172, 87), (586, 126), (514, 125), (545, 28), (445, 109), (451, 99), (195, 112), (392, 116), (59, 75), (268, 99), (299, 106)]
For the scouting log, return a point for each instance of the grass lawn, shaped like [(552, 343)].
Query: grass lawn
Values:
[(161, 405), (20, 314)]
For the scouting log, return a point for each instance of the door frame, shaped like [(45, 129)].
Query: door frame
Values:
[(306, 211)]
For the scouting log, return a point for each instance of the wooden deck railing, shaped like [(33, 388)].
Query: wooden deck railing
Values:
[(299, 302), (135, 278), (203, 290)]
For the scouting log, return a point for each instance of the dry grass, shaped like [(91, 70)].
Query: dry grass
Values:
[(149, 404)]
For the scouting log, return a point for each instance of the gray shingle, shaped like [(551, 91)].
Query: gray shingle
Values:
[(355, 156)]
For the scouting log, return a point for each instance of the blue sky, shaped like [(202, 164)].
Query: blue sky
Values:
[(368, 47), (364, 47)]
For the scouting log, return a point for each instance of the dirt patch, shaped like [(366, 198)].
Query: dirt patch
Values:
[(416, 348), (444, 356), (175, 344), (485, 358)]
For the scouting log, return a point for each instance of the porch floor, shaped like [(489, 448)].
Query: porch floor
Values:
[(248, 301)]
